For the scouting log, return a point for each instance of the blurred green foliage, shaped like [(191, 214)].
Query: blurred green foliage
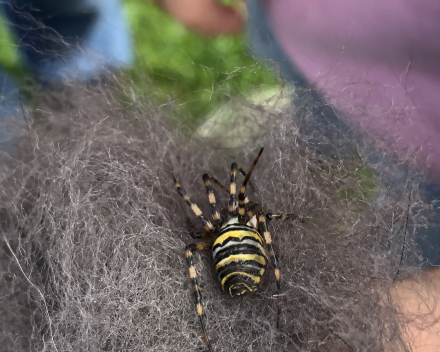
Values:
[(8, 52), (365, 186), (175, 65), (199, 73)]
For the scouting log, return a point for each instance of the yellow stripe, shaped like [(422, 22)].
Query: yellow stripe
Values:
[(249, 289), (256, 279), (196, 210), (238, 234), (192, 272), (277, 274), (199, 309), (241, 257), (211, 198), (267, 237)]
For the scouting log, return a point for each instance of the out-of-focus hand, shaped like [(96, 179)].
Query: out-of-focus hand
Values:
[(417, 301), (206, 17)]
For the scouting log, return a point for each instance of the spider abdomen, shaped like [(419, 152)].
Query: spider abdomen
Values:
[(240, 258)]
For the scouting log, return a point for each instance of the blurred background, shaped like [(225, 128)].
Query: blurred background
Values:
[(172, 63)]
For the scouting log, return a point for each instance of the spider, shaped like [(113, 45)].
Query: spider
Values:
[(237, 243)]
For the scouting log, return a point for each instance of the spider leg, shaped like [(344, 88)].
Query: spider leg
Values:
[(252, 209), (198, 234), (241, 196), (189, 249), (215, 213), (212, 178), (267, 237), (206, 223), (244, 174), (203, 234), (233, 190), (282, 216)]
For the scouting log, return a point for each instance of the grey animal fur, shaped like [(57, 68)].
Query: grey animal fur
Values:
[(92, 253)]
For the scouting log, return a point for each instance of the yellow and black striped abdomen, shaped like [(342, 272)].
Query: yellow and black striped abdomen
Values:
[(240, 259)]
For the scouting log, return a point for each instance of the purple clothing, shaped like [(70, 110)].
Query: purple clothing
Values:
[(378, 61)]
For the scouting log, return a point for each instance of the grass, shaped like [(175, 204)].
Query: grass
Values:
[(173, 64), (8, 53)]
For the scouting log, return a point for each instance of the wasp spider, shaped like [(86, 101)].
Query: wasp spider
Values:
[(237, 241)]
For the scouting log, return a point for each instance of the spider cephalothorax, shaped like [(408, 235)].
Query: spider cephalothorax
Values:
[(237, 239)]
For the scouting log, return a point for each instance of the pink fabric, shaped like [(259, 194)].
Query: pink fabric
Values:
[(377, 60)]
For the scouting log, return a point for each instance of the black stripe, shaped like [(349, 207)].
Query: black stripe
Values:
[(243, 279), (197, 293), (234, 239), (231, 228), (235, 227), (238, 227), (181, 191), (250, 267), (237, 249)]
